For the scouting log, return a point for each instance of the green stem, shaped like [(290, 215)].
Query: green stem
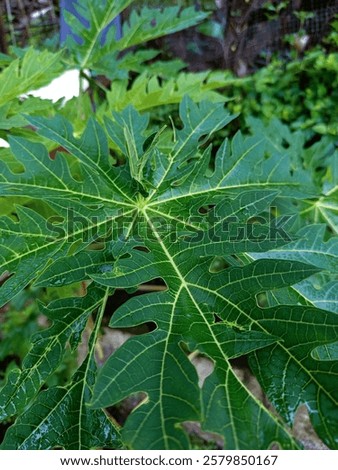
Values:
[(91, 82), (95, 332), (92, 344)]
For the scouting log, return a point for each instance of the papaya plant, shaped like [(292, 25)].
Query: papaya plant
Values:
[(101, 52), (166, 215)]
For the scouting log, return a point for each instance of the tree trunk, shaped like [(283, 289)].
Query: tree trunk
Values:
[(236, 16), (3, 42)]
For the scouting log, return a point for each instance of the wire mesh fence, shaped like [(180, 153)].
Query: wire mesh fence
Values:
[(26, 22), (249, 30)]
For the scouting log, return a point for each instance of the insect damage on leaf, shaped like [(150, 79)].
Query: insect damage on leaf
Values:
[(166, 214)]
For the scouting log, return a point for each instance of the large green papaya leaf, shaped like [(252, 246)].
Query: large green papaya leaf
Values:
[(175, 215)]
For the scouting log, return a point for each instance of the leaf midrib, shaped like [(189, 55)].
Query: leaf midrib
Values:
[(67, 191), (71, 146), (222, 189), (174, 156), (185, 285), (27, 79)]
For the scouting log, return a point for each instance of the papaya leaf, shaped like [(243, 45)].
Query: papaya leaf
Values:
[(48, 348), (59, 416), (310, 247), (150, 23), (174, 215), (34, 70), (188, 313), (324, 297), (151, 90), (96, 18)]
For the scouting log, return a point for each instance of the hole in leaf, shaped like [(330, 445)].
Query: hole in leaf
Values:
[(141, 248), (217, 319), (325, 352), (242, 371), (202, 439), (262, 300), (275, 446), (285, 144), (203, 365), (220, 263), (206, 209), (5, 276), (122, 410), (304, 432)]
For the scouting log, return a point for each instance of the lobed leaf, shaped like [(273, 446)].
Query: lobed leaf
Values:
[(151, 23), (150, 91), (34, 70), (310, 247), (48, 348), (96, 19), (186, 314), (59, 417), (166, 215)]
